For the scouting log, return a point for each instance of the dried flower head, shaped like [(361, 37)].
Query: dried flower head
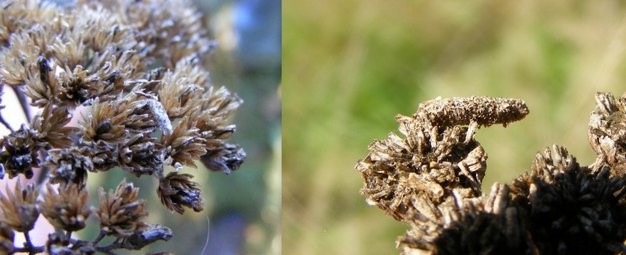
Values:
[(19, 153), (121, 212), (52, 127), (18, 207), (131, 71), (66, 208), (558, 207), (69, 165), (572, 209), (142, 155), (409, 177), (185, 144), (177, 190), (606, 130)]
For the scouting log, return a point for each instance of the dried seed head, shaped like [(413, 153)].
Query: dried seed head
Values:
[(408, 177), (185, 144), (66, 208), (606, 131), (105, 122), (18, 207), (19, 153), (572, 209), (69, 165), (121, 213), (142, 155), (479, 232), (52, 127), (177, 190), (104, 156)]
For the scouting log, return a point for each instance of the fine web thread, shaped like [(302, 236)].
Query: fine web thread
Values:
[(208, 233)]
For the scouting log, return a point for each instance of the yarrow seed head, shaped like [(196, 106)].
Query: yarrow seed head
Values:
[(119, 84)]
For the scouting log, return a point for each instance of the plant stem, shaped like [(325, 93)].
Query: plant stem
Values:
[(5, 124), (29, 247), (101, 235)]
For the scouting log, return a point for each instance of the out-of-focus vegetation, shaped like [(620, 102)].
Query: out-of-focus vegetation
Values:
[(351, 66)]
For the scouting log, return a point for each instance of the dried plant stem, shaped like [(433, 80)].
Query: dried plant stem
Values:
[(5, 124), (101, 235), (29, 247)]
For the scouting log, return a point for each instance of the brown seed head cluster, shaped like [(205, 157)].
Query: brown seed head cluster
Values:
[(119, 84), (430, 179), (66, 208), (121, 212)]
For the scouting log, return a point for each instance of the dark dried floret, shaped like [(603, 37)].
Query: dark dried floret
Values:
[(69, 165), (142, 155), (19, 153), (104, 156), (177, 191), (226, 159)]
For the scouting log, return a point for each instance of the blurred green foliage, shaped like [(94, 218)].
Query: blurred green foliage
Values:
[(350, 66)]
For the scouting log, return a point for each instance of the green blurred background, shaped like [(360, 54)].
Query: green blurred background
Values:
[(350, 66)]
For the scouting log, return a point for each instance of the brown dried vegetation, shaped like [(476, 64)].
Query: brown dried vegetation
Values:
[(130, 72), (431, 177)]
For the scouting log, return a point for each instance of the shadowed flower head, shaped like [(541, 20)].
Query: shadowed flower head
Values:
[(19, 153), (177, 190), (69, 165)]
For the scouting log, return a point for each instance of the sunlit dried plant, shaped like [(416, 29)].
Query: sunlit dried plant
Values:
[(129, 74), (431, 180)]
